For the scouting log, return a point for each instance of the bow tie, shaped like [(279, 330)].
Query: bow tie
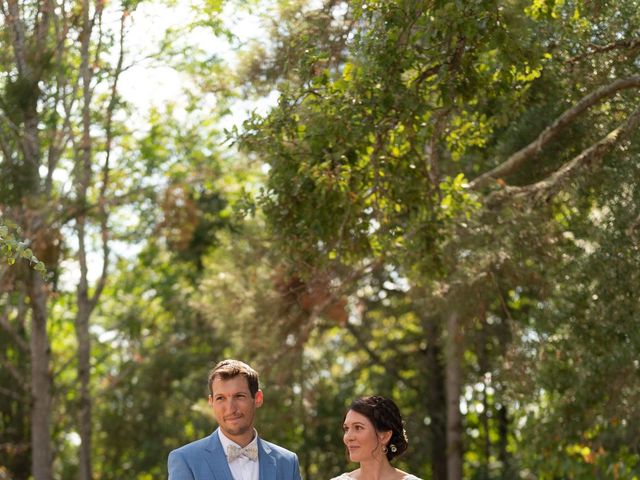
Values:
[(250, 451)]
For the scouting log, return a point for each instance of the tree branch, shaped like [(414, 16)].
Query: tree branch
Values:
[(42, 28), (587, 158), (11, 394), (106, 169), (59, 135), (4, 323), (431, 153), (20, 380), (12, 18), (5, 147), (630, 44), (516, 160)]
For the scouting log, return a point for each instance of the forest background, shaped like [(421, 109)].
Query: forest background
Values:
[(440, 205)]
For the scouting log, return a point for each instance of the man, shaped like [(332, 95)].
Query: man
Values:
[(234, 451)]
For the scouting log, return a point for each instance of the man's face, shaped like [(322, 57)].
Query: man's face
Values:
[(234, 408)]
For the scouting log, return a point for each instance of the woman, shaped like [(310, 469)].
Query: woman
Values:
[(374, 435)]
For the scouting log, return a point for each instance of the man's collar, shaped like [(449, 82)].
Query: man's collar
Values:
[(225, 441)]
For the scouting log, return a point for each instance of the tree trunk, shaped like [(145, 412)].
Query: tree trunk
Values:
[(483, 364), (503, 432), (27, 51), (84, 375), (436, 399), (41, 452), (83, 180), (454, 382)]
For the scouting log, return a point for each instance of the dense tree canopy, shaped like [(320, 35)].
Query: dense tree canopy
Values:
[(469, 148), (441, 206)]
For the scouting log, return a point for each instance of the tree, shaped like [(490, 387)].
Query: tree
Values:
[(369, 157), (59, 98)]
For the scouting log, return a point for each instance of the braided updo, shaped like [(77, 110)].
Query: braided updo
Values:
[(385, 416)]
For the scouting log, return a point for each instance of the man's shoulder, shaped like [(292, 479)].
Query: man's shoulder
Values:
[(272, 447), (193, 446)]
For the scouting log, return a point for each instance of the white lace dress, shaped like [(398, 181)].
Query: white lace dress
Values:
[(347, 476)]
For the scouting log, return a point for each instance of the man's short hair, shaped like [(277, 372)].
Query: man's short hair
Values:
[(227, 369)]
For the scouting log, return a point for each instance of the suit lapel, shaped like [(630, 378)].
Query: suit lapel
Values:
[(216, 459), (267, 461)]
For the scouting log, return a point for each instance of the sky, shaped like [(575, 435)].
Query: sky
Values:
[(146, 83)]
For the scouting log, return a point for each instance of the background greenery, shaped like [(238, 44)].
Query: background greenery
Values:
[(442, 206)]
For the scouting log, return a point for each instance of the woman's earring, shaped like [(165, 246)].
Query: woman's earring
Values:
[(384, 449)]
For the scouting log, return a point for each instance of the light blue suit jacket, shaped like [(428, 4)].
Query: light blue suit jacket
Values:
[(204, 459)]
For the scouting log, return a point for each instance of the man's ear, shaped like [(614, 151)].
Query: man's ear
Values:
[(259, 398)]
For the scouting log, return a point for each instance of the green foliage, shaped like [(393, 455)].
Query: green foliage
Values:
[(59, 185), (368, 156), (333, 272), (348, 174), (157, 352), (12, 249)]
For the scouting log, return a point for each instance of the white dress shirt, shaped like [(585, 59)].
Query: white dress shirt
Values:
[(242, 468)]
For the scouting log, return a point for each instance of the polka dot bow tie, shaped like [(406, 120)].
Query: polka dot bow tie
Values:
[(233, 452)]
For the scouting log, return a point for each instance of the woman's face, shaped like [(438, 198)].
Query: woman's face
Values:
[(361, 438)]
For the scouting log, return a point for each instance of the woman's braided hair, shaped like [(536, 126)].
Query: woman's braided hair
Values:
[(385, 416)]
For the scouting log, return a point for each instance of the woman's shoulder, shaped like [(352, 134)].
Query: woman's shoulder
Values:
[(348, 476), (344, 476)]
